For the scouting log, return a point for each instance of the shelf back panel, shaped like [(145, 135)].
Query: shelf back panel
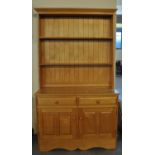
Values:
[(78, 52), (82, 26), (75, 75)]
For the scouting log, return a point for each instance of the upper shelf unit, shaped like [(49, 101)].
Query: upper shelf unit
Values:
[(75, 27)]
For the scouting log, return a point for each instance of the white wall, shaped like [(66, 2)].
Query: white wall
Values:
[(75, 3), (118, 51), (55, 4)]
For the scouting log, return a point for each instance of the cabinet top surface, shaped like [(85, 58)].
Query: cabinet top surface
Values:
[(74, 10), (76, 91)]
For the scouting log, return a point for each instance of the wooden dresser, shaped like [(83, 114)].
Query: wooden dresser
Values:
[(76, 103)]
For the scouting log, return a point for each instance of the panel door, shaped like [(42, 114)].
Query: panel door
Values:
[(108, 122), (57, 122), (98, 122), (88, 122)]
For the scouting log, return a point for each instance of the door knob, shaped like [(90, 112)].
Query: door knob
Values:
[(57, 102), (98, 102), (80, 118), (74, 118)]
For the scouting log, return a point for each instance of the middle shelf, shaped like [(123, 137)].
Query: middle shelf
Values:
[(75, 38), (76, 64), (76, 52)]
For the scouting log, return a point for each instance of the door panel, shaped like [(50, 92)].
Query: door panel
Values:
[(89, 122), (65, 123), (50, 125), (58, 123), (107, 122)]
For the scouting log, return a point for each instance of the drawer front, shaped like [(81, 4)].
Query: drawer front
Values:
[(52, 101), (97, 101)]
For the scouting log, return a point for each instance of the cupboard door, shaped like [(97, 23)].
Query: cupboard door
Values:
[(88, 122), (108, 122), (98, 122), (57, 123)]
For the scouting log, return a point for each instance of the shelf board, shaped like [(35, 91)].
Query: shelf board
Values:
[(76, 11), (75, 64), (74, 38)]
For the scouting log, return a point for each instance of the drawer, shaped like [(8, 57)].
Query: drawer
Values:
[(97, 100), (52, 101)]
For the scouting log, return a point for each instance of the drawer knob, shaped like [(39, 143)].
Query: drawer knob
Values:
[(98, 102), (57, 102), (80, 118), (74, 118)]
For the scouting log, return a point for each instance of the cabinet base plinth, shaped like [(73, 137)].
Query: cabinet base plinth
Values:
[(84, 144)]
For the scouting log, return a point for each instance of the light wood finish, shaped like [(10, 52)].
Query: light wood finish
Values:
[(75, 75), (56, 101), (57, 123), (97, 122), (76, 52), (74, 27), (76, 40), (74, 11), (86, 119), (76, 104), (97, 101)]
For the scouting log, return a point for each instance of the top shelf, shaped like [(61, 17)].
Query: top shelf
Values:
[(75, 11), (75, 38)]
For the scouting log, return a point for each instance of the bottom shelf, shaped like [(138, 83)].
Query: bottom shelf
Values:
[(76, 75), (77, 90)]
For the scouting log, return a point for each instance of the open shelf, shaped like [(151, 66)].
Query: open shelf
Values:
[(75, 38)]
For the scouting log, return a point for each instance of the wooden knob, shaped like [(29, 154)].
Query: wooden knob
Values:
[(98, 102), (80, 118), (74, 118), (57, 102)]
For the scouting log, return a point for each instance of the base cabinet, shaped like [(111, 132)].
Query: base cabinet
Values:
[(70, 124)]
